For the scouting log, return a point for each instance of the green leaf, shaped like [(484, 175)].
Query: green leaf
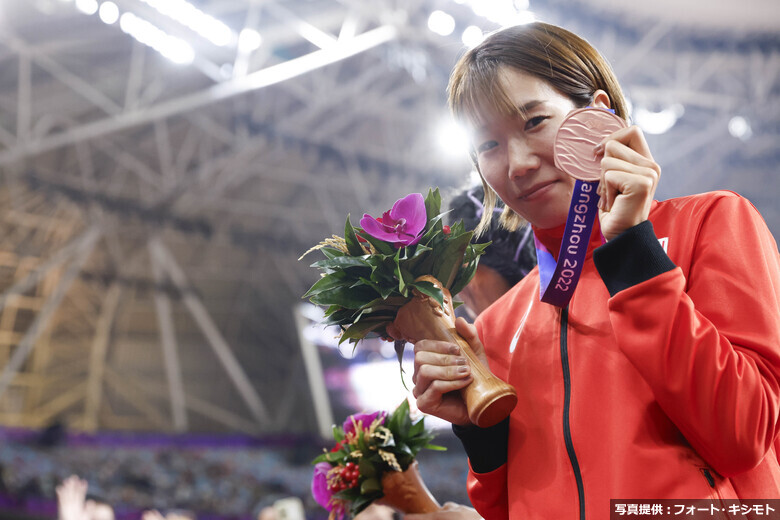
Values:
[(326, 282), (346, 297), (330, 252), (321, 458), (342, 262), (434, 228), (370, 485), (402, 275), (383, 247), (359, 329), (353, 246), (434, 447), (383, 290), (417, 428), (340, 317), (465, 274), (432, 203), (421, 254), (362, 502), (428, 289), (366, 468), (447, 262)]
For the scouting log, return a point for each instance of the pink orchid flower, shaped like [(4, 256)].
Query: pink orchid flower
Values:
[(403, 225)]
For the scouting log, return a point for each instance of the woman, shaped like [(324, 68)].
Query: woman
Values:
[(661, 377)]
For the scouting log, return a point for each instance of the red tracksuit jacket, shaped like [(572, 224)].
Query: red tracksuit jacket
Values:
[(661, 380)]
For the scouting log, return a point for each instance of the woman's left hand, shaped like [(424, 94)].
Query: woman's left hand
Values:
[(629, 178)]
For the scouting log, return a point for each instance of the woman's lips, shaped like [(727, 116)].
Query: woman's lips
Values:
[(536, 191)]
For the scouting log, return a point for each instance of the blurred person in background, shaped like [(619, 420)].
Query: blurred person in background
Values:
[(510, 256)]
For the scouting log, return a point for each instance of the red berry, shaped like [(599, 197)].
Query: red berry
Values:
[(446, 230)]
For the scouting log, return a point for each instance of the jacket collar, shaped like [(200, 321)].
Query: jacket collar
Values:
[(552, 238)]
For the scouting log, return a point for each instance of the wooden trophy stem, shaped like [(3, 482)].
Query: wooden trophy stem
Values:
[(488, 399)]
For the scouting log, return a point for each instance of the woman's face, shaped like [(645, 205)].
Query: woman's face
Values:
[(515, 155)]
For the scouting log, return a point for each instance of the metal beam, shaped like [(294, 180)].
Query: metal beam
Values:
[(131, 395), (24, 104), (47, 311), (61, 402), (97, 357), (162, 305), (78, 85), (209, 329), (235, 87), (319, 392), (82, 242)]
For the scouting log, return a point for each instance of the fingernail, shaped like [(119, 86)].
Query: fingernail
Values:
[(460, 361), (454, 349), (463, 370)]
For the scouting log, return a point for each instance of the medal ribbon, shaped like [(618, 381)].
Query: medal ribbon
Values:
[(557, 280)]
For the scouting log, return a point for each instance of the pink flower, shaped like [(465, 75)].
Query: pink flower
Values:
[(403, 224), (323, 495), (319, 484), (362, 421)]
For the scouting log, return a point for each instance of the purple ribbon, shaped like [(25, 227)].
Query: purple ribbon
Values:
[(557, 280)]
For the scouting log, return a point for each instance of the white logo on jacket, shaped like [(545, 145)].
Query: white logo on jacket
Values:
[(664, 243), (513, 345)]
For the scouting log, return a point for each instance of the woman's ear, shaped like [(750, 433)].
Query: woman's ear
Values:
[(601, 99)]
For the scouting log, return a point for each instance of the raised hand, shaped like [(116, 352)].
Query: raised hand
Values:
[(629, 178), (71, 499)]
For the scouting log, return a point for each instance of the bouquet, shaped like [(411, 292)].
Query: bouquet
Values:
[(374, 459), (374, 269), (394, 277)]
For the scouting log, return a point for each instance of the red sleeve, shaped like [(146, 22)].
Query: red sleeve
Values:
[(709, 345), (487, 490), (488, 493)]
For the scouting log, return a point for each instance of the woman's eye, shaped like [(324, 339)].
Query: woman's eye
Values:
[(534, 121), (487, 145)]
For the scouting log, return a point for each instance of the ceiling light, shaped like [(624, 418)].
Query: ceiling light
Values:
[(175, 49), (503, 12), (658, 122), (190, 16), (740, 128), (441, 23), (87, 6), (472, 36), (249, 40), (453, 139), (109, 12)]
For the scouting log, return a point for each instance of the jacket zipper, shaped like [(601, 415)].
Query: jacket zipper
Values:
[(566, 404), (711, 481)]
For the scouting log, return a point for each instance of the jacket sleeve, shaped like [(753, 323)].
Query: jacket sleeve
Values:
[(709, 344), (487, 452)]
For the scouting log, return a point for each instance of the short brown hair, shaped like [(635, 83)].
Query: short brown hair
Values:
[(567, 62)]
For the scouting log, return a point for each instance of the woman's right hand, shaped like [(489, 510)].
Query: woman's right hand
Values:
[(441, 368)]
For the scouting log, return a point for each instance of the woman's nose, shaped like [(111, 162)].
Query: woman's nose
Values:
[(521, 157)]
